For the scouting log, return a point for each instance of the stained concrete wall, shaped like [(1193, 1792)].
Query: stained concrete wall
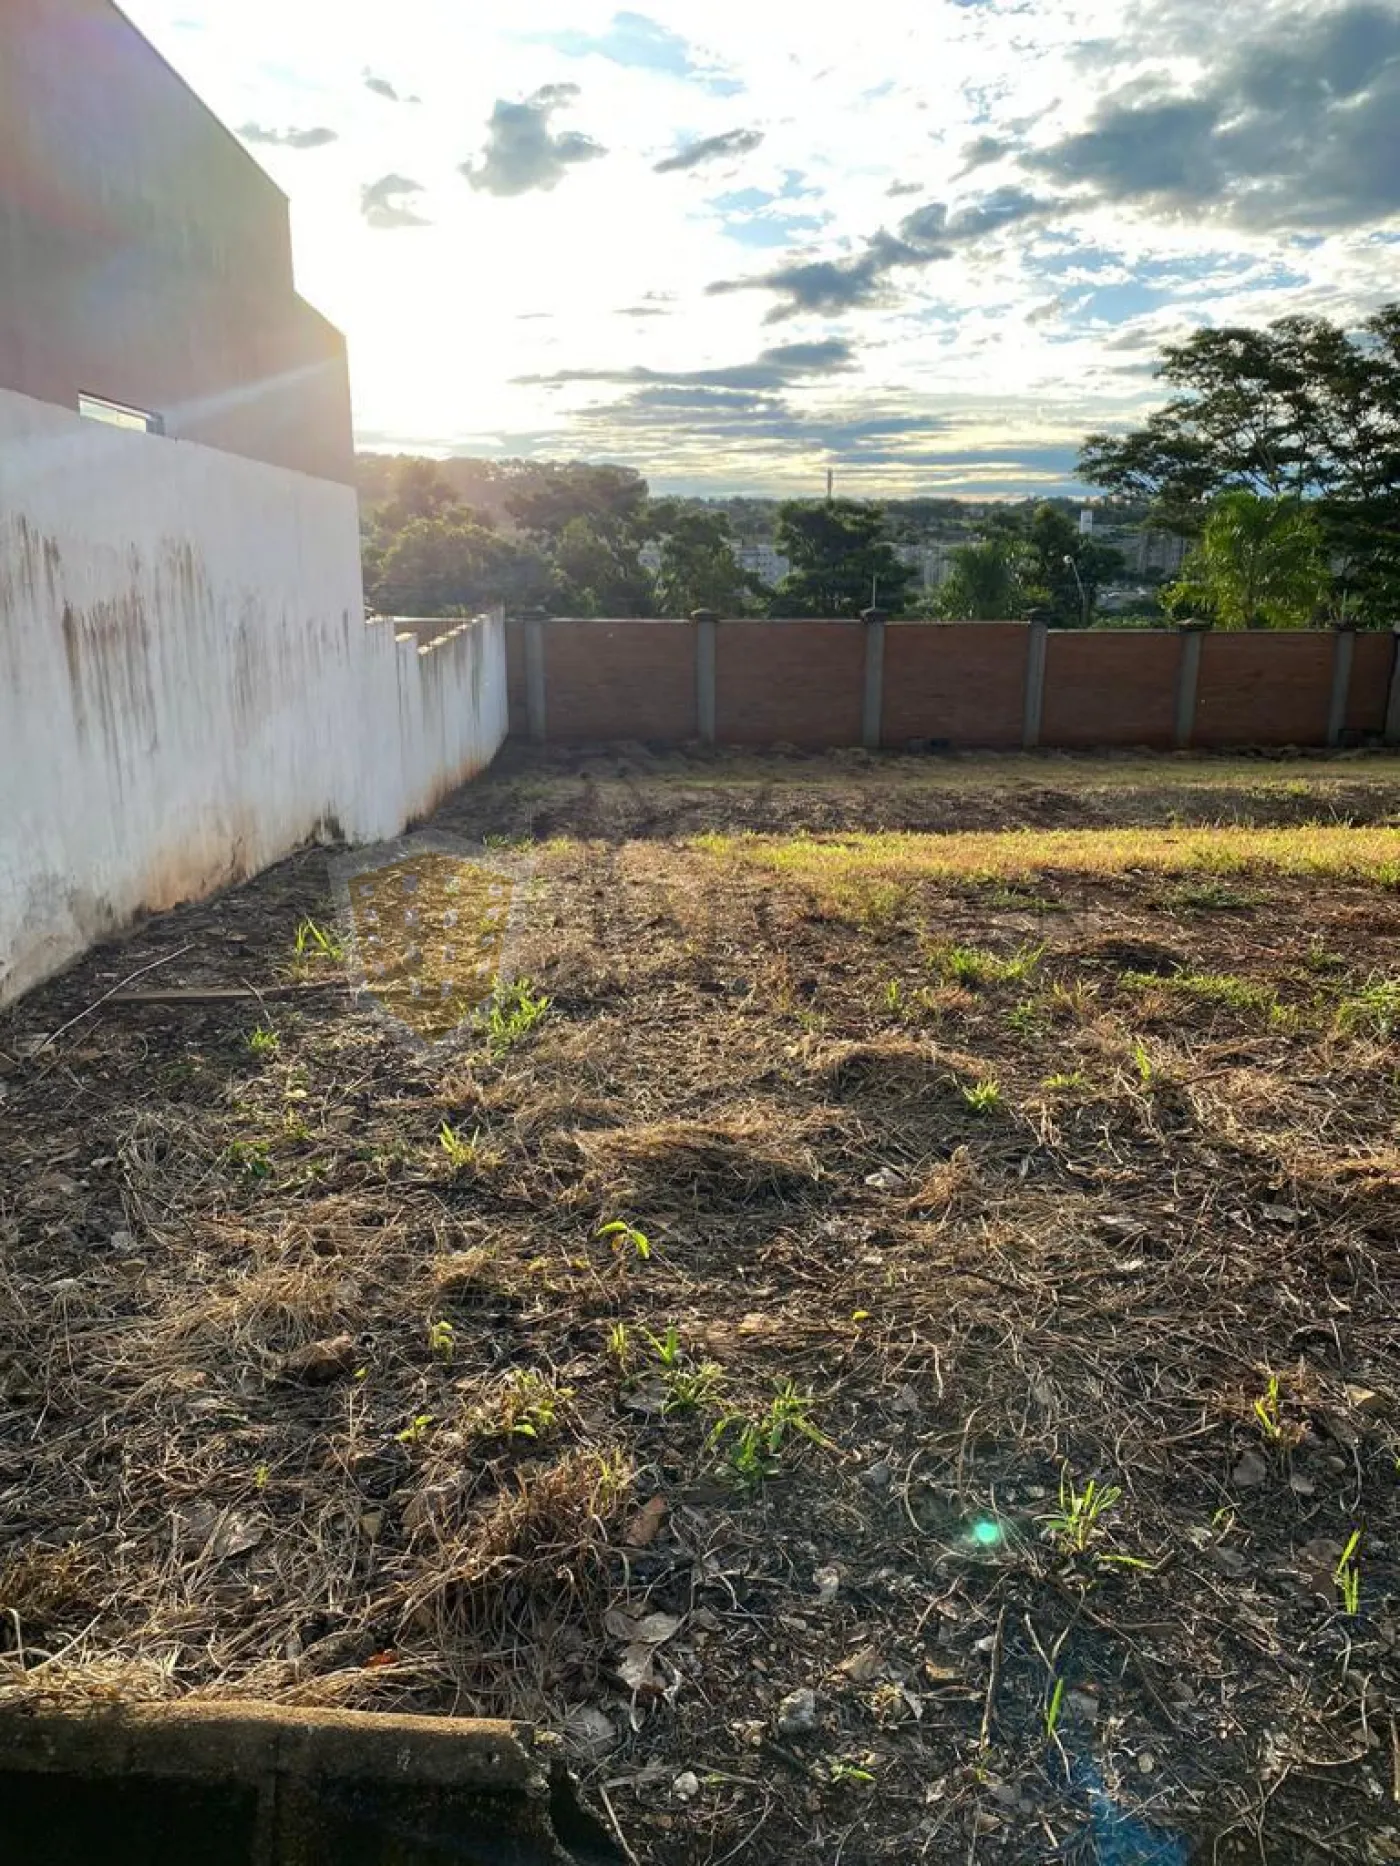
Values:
[(188, 689), (145, 257)]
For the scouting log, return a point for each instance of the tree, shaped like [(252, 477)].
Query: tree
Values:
[(453, 565), (841, 560), (1259, 564), (1039, 562), (986, 583), (1067, 569), (592, 520), (598, 574), (1302, 410), (698, 567)]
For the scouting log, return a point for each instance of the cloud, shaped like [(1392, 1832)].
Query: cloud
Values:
[(288, 139), (381, 87), (904, 187), (710, 149), (1299, 130), (639, 43), (521, 153), (383, 206), (929, 234), (774, 368), (982, 150)]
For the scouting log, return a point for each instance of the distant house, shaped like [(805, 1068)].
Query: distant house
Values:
[(145, 258)]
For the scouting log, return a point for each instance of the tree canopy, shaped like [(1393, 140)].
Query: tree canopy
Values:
[(842, 562), (1259, 564), (1303, 410)]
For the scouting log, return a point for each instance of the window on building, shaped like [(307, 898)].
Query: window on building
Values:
[(119, 415)]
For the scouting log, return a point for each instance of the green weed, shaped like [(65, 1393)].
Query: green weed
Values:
[(1025, 1018), (755, 1443), (976, 968), (512, 1013), (690, 1388), (626, 1238), (1346, 1575), (983, 1097), (442, 1340), (1374, 1011), (1268, 1411), (416, 1430), (1080, 1516), (315, 942), (463, 1155), (1245, 996), (1070, 1082), (262, 1041), (249, 1157), (1142, 1063), (619, 1348), (1053, 1708), (667, 1347)]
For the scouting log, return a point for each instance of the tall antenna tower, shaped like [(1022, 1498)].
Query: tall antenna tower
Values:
[(830, 484)]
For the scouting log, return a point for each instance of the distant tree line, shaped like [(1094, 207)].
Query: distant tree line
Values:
[(567, 540), (1278, 458)]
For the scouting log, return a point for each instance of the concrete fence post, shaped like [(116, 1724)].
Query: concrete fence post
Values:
[(872, 709), (1343, 654), (706, 658), (1392, 709), (536, 719), (1188, 678), (1036, 640)]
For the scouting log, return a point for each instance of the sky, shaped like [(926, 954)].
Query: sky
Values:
[(927, 243)]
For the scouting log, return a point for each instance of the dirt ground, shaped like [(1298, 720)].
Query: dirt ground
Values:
[(892, 1372)]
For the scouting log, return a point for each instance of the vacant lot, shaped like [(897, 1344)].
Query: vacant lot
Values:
[(949, 1273)]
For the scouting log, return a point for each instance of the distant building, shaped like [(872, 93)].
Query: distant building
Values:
[(1160, 551), (1086, 523), (933, 562), (763, 561), (649, 557)]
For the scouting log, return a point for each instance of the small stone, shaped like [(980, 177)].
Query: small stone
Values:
[(320, 1362), (1301, 1484), (827, 1582), (1249, 1471), (122, 1241), (1364, 1399), (797, 1713), (589, 1731), (877, 1476), (1146, 1762), (686, 1786), (1281, 1214), (1080, 1704), (885, 1179)]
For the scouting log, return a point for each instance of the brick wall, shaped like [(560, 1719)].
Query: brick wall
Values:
[(799, 682), (1265, 689), (959, 684), (1373, 660), (1106, 688), (620, 680)]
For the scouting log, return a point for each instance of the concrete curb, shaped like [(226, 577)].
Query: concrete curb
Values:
[(275, 1785)]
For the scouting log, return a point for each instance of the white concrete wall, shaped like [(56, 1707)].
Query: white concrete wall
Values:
[(188, 689)]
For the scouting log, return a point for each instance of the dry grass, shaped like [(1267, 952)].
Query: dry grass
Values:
[(1317, 851), (833, 1429)]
